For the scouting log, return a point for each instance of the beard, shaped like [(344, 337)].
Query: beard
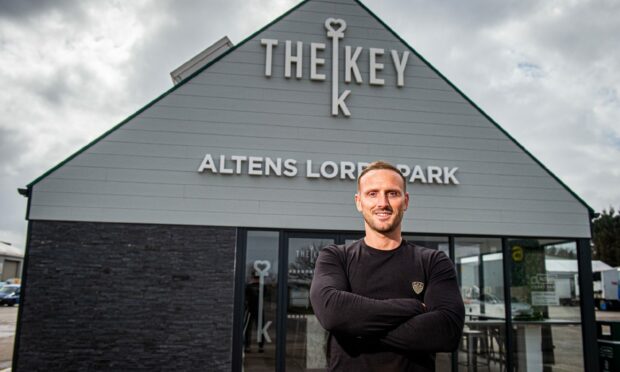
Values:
[(384, 227)]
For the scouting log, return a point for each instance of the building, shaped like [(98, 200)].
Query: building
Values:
[(11, 262), (160, 243)]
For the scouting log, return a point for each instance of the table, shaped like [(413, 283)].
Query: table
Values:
[(528, 337)]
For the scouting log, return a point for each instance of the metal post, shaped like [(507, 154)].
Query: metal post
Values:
[(237, 357), (586, 298), (455, 354), (507, 261), (282, 310)]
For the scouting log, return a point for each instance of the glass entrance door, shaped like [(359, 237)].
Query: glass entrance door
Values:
[(306, 340), (276, 327)]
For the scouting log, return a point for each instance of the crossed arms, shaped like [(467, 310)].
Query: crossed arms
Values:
[(402, 323)]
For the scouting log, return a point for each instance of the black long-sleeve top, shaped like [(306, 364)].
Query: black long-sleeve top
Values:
[(386, 310)]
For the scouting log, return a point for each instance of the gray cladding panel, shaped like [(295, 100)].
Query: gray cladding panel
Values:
[(146, 170), (209, 125)]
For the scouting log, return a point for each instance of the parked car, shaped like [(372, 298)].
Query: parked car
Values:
[(9, 294), (494, 307)]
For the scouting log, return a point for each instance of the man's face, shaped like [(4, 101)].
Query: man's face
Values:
[(382, 200)]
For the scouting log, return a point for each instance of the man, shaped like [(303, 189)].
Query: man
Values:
[(389, 305)]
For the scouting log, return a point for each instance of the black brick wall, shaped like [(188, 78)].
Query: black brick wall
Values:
[(127, 297)]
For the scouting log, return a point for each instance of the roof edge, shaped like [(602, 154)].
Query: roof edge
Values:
[(161, 96), (590, 209)]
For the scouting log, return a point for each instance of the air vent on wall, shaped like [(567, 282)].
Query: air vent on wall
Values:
[(201, 59)]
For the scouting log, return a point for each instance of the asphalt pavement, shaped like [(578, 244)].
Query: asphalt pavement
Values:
[(8, 320)]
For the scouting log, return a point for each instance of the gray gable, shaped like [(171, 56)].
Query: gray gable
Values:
[(146, 168)]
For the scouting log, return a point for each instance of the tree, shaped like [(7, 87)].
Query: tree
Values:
[(561, 252), (606, 237)]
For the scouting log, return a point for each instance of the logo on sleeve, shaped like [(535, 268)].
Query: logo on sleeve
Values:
[(418, 287)]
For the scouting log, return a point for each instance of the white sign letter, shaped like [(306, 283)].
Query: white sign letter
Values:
[(347, 170), (239, 160), (254, 166), (341, 105), (329, 174), (417, 174), (269, 44), (375, 66), (207, 163), (309, 173), (315, 61), (449, 177), (335, 34), (276, 167), (399, 65), (290, 59), (223, 169), (360, 167), (434, 174), (290, 166), (404, 169), (350, 64)]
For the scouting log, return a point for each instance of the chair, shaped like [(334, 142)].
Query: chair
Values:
[(477, 346)]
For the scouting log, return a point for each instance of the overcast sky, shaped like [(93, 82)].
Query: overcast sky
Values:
[(547, 71)]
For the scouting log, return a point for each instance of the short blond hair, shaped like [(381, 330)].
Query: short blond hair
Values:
[(380, 164)]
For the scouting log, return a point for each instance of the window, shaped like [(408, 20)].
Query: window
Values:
[(548, 334), (260, 305), (479, 264)]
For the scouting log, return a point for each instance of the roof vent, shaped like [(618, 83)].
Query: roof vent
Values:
[(201, 59)]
